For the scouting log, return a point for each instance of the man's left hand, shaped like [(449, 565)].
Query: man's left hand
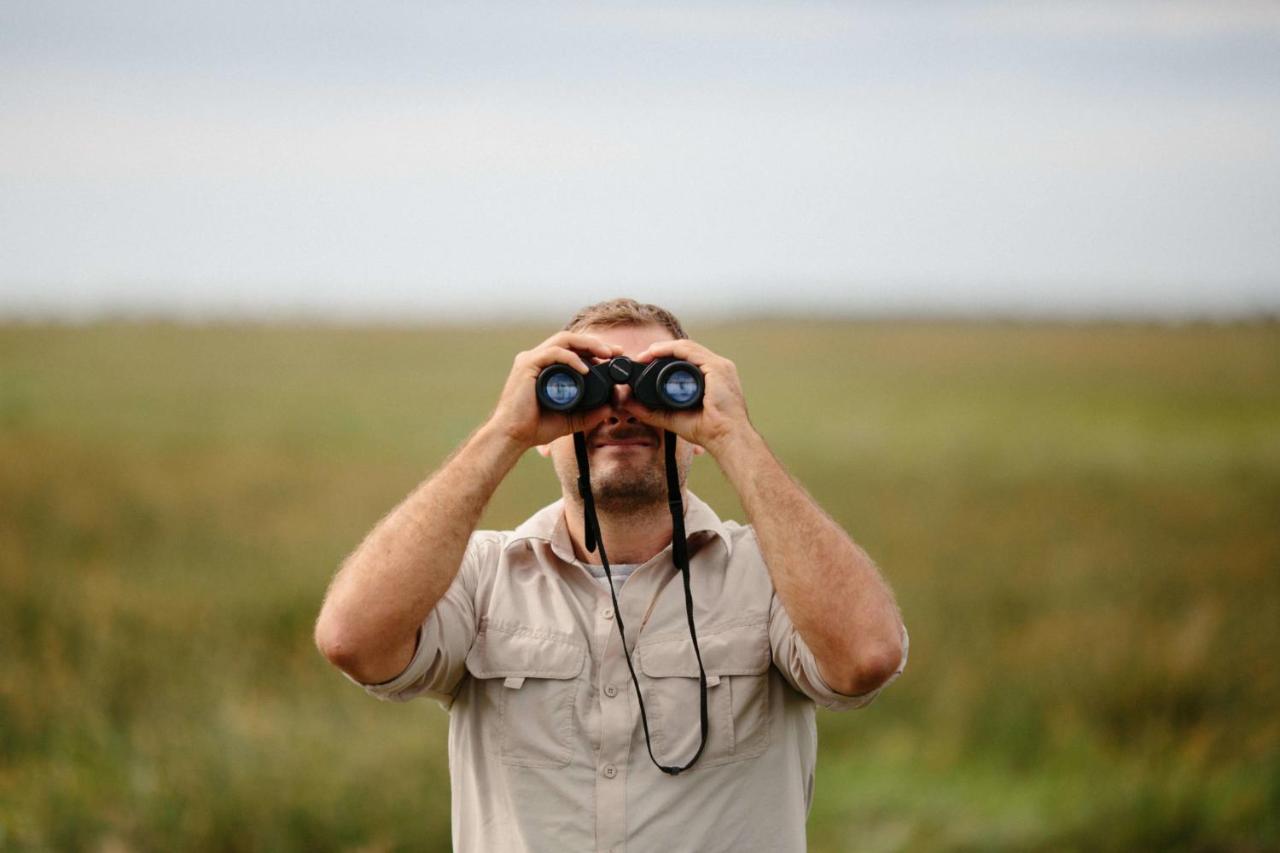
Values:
[(723, 415)]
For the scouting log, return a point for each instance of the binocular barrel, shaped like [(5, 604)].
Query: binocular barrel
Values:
[(664, 383)]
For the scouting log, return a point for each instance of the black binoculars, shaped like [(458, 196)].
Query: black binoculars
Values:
[(664, 383)]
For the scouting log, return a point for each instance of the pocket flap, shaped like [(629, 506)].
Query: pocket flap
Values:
[(504, 652), (741, 650)]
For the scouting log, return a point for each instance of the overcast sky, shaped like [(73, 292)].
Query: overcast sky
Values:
[(408, 159)]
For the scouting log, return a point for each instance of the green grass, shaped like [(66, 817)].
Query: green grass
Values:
[(1082, 524)]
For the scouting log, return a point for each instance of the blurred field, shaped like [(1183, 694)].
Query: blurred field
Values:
[(1082, 524)]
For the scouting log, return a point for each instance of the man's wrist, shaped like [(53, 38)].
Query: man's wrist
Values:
[(737, 447), (493, 442)]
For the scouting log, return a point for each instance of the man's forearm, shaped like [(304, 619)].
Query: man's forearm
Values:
[(389, 584), (831, 589)]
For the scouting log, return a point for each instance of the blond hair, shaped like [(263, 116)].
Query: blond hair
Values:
[(625, 312)]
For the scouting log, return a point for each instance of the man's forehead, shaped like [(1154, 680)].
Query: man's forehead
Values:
[(632, 339)]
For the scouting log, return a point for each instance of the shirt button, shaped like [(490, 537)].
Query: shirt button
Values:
[(610, 691), (610, 771), (607, 613)]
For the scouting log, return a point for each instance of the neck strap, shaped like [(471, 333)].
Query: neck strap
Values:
[(679, 556)]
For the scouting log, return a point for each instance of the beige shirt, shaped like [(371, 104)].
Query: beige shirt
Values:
[(546, 751)]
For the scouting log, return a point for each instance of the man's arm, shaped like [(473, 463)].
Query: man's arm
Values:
[(835, 596), (830, 588), (385, 589), (390, 583)]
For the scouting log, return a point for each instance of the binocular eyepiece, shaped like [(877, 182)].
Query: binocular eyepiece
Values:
[(664, 383)]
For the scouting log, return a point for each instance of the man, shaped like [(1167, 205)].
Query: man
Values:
[(515, 633)]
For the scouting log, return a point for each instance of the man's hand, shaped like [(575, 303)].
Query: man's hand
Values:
[(518, 415), (724, 408)]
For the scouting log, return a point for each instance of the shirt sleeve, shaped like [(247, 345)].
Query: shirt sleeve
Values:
[(799, 667), (445, 636)]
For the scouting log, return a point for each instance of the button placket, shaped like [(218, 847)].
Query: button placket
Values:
[(618, 711), (615, 734)]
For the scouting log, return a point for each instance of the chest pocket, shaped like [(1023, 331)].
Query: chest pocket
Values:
[(737, 664), (528, 680)]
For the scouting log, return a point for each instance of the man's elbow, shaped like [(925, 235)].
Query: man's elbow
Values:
[(342, 637), (368, 657), (870, 667), (334, 641)]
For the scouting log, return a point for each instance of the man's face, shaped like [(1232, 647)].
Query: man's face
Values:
[(628, 471)]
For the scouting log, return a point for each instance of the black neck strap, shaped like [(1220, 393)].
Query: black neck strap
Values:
[(679, 556)]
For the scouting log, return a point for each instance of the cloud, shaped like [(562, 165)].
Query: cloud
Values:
[(771, 22), (711, 145), (1159, 20)]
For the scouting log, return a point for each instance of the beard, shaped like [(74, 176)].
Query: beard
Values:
[(624, 489), (625, 486)]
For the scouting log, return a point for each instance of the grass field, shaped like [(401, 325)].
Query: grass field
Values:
[(1082, 524)]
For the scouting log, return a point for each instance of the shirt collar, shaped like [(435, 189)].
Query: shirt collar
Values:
[(548, 525)]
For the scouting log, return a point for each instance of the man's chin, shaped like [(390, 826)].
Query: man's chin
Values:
[(624, 492)]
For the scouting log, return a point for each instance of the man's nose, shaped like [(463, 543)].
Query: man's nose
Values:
[(617, 415)]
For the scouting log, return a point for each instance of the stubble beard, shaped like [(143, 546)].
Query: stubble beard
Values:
[(625, 488), (629, 490)]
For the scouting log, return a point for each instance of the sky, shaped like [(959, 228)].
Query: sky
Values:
[(419, 160)]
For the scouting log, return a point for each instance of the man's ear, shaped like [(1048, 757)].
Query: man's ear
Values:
[(544, 450)]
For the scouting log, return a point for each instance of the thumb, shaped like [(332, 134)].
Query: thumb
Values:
[(658, 418), (681, 423), (587, 421)]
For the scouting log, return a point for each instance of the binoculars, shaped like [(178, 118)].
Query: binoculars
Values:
[(664, 383)]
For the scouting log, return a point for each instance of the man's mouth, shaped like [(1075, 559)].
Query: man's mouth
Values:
[(626, 439)]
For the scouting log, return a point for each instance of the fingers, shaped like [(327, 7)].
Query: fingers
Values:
[(685, 349), (546, 355)]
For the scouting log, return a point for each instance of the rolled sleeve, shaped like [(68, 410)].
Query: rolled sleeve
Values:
[(445, 636), (794, 659)]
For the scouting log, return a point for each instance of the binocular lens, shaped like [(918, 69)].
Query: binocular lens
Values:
[(561, 389), (681, 386)]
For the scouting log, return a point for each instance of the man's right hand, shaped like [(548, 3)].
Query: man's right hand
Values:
[(518, 414)]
